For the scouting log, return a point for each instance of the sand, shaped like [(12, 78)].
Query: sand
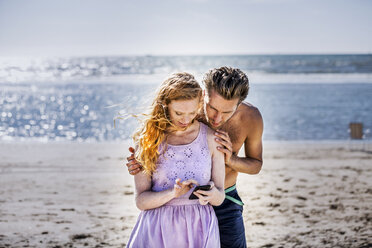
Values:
[(81, 195)]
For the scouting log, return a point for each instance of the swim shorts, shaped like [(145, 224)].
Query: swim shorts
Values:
[(230, 220)]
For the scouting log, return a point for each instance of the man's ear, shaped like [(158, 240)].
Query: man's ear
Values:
[(203, 93)]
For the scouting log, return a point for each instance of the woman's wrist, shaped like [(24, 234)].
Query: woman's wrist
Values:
[(172, 193), (221, 197)]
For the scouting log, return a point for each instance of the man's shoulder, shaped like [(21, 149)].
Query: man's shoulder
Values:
[(251, 121), (249, 113), (246, 124)]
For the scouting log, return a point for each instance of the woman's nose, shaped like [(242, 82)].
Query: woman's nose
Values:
[(186, 120)]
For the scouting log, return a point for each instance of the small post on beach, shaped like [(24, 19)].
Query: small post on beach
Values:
[(356, 133)]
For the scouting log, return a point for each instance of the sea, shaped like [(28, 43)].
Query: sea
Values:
[(92, 99)]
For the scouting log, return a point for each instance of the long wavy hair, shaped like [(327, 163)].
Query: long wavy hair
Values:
[(156, 125)]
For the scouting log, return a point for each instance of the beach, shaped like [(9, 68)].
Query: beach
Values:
[(79, 78), (308, 194)]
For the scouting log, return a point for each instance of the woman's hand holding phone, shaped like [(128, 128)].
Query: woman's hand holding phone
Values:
[(205, 193), (201, 187), (181, 188)]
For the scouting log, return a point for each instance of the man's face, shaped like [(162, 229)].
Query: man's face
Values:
[(217, 109)]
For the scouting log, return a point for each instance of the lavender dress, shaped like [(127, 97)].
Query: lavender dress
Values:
[(180, 222)]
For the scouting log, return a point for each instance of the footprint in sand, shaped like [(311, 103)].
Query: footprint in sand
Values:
[(80, 236), (67, 209), (259, 223), (104, 158), (301, 198)]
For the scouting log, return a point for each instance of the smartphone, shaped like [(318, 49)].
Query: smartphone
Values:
[(201, 187)]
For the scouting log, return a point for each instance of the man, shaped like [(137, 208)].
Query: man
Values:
[(236, 123)]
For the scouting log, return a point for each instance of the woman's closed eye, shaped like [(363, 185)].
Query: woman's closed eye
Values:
[(178, 113)]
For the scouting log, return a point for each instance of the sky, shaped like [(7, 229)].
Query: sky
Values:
[(35, 28)]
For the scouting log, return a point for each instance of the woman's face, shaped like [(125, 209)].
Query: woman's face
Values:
[(183, 112)]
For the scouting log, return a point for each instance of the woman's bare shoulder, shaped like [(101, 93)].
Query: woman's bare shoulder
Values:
[(212, 143)]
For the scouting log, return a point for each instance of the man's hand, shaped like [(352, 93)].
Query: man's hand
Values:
[(223, 139), (133, 165), (181, 188)]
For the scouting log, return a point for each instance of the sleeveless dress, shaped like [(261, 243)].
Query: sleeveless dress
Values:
[(180, 222)]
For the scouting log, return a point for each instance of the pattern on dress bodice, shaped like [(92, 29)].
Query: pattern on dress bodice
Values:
[(190, 161)]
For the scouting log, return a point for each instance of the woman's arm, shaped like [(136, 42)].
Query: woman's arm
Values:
[(147, 199), (217, 193)]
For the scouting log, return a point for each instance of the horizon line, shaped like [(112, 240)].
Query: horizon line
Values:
[(190, 55)]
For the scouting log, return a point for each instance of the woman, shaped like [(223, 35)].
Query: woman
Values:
[(177, 152)]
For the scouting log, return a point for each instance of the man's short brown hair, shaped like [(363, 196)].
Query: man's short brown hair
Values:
[(230, 83)]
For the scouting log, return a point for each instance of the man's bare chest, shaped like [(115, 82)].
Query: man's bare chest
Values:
[(237, 136)]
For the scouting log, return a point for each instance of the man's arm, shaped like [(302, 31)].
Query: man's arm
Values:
[(252, 162)]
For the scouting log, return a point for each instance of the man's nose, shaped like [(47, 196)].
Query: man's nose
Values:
[(217, 118)]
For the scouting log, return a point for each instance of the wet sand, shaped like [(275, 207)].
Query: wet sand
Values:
[(81, 195)]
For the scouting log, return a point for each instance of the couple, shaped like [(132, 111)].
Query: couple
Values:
[(176, 150)]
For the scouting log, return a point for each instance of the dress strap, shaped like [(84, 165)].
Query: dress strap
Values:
[(204, 130)]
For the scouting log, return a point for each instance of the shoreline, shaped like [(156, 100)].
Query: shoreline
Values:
[(81, 194)]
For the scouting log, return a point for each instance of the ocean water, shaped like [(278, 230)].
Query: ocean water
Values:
[(301, 97)]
